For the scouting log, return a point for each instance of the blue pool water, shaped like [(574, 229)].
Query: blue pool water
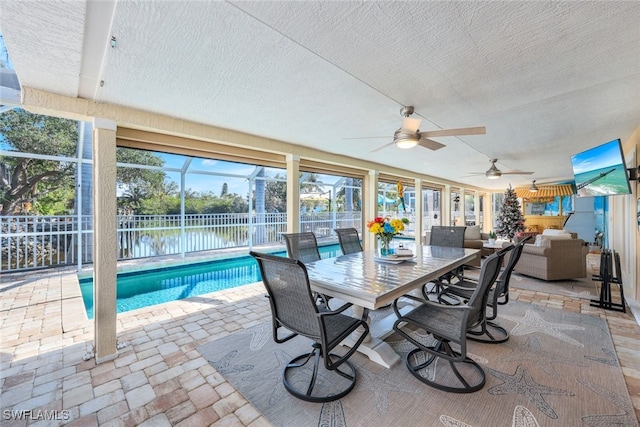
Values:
[(145, 288)]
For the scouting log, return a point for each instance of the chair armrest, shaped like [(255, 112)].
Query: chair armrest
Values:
[(327, 312), (535, 250), (473, 244)]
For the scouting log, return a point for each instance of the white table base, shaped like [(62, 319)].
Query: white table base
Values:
[(374, 346)]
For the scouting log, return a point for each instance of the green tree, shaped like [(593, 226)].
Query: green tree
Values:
[(139, 184), (24, 180), (275, 198)]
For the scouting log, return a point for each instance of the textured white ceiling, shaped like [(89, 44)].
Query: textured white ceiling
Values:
[(547, 79)]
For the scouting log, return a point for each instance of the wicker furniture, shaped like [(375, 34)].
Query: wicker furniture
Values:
[(455, 372), (293, 307), (554, 259)]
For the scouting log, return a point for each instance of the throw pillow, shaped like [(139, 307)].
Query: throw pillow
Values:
[(558, 237), (552, 232), (472, 233), (538, 241)]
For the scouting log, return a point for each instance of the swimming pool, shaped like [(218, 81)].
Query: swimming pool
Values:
[(139, 289)]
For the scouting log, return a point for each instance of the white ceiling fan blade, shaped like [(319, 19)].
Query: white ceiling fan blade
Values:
[(429, 143), (410, 124), (481, 130), (367, 137), (382, 146), (517, 173)]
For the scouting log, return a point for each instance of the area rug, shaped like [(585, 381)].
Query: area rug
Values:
[(582, 288), (557, 369)]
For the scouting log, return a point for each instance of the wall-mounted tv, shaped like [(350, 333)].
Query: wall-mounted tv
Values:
[(601, 171)]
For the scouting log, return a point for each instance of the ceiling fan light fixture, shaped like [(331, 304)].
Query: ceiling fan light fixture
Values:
[(405, 140), (534, 187), (406, 143), (493, 172)]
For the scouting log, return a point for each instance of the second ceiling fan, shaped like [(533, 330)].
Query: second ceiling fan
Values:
[(408, 136), (494, 173)]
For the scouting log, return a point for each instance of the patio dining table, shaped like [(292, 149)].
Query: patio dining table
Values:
[(370, 282)]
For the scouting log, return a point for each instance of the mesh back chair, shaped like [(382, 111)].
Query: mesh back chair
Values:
[(293, 307), (448, 324), (489, 331), (452, 237), (302, 246), (349, 240)]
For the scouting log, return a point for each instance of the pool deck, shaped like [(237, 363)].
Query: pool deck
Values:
[(159, 377)]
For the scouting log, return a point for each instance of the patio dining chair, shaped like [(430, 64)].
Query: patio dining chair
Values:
[(489, 331), (302, 246), (293, 308), (452, 237), (448, 324), (349, 240)]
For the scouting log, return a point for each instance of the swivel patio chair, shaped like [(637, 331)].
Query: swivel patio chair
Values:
[(293, 307), (489, 331), (302, 246), (449, 325), (452, 237), (349, 240)]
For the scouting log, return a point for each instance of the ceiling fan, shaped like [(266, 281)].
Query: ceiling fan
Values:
[(494, 173), (408, 136)]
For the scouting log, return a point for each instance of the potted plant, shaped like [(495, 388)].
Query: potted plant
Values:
[(492, 237)]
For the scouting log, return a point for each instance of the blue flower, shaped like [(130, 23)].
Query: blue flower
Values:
[(388, 228)]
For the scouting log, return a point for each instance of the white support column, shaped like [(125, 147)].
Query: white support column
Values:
[(418, 214), (476, 205), (370, 205), (487, 207), (446, 205), (293, 193), (463, 208), (105, 245)]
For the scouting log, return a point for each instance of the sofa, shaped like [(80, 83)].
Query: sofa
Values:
[(554, 255), (473, 239)]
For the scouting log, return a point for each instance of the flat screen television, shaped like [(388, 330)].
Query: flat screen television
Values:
[(601, 171)]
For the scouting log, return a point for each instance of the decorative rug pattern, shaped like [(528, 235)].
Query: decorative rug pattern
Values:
[(557, 369), (581, 288)]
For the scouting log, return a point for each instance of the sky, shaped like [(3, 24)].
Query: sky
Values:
[(604, 155)]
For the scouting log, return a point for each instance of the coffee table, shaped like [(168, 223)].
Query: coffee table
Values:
[(495, 246)]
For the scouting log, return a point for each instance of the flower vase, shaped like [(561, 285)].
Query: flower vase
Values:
[(386, 246), (492, 242)]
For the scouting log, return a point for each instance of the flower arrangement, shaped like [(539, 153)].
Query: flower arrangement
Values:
[(492, 235), (386, 228)]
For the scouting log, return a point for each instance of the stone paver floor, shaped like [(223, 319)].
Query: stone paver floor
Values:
[(159, 377)]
